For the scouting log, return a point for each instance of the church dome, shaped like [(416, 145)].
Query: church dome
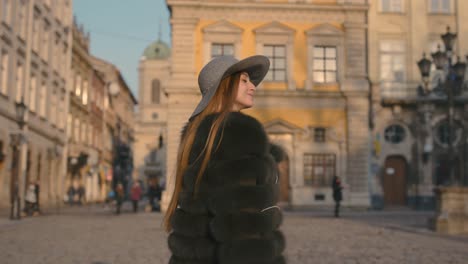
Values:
[(157, 50)]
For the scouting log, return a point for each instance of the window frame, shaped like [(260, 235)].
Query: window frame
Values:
[(273, 58), (325, 35), (391, 8), (4, 71), (223, 45), (221, 32), (393, 138), (311, 163), (325, 59), (440, 4), (33, 93), (394, 85), (276, 33), (156, 95), (6, 13)]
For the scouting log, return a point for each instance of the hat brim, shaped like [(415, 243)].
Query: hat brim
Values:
[(256, 66)]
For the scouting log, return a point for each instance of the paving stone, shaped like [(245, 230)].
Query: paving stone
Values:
[(95, 235)]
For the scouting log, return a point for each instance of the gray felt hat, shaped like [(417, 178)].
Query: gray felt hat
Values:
[(220, 67)]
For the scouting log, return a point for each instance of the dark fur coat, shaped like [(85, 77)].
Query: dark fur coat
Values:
[(232, 218)]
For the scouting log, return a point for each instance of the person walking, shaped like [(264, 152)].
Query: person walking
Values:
[(223, 208), (135, 195), (337, 194), (119, 197)]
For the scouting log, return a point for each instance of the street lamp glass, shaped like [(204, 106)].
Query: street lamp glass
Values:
[(449, 39), (439, 58), (459, 69), (424, 66)]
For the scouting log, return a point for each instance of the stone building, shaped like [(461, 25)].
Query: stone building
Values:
[(118, 128), (409, 154), (314, 101), (35, 46), (151, 127), (79, 115)]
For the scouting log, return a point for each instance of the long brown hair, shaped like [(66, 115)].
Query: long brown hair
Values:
[(222, 103)]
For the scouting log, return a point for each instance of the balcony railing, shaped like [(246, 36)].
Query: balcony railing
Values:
[(393, 90)]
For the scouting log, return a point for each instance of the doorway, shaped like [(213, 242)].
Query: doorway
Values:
[(395, 181)]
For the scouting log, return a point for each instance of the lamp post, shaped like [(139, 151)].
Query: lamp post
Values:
[(451, 85), (16, 139)]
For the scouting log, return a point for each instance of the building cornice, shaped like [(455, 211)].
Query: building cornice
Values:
[(266, 5)]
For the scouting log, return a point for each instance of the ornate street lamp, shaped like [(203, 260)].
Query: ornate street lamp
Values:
[(449, 40), (424, 66), (452, 85)]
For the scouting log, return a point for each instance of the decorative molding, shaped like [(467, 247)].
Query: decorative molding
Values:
[(277, 33)]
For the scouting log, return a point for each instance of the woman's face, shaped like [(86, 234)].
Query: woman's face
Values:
[(245, 93)]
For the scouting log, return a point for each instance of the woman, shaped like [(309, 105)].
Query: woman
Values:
[(223, 206)]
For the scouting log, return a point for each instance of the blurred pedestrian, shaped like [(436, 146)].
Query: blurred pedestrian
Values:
[(30, 200), (119, 197), (135, 195), (337, 194), (37, 191), (81, 194)]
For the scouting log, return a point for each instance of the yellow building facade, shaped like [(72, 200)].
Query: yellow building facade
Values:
[(313, 102)]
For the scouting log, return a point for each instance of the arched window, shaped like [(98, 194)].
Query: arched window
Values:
[(155, 91)]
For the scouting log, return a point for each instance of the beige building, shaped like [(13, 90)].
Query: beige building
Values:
[(314, 101), (85, 124), (35, 46), (151, 127), (409, 140), (118, 128)]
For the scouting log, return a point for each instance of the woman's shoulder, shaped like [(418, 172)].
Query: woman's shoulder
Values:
[(233, 120)]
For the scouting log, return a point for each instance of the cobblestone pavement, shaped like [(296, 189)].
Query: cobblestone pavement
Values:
[(94, 235)]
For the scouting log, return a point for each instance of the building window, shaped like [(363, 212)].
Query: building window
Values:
[(443, 135), (325, 64), (218, 49), (62, 112), (155, 115), (392, 63), (4, 72), (440, 6), (85, 92), (76, 130), (319, 134), (391, 6), (69, 126), (19, 82), (155, 91), (56, 54), (6, 11), (45, 41), (277, 56), (83, 132), (32, 94), (319, 169), (35, 34), (22, 20), (78, 85), (42, 99), (394, 134), (53, 107)]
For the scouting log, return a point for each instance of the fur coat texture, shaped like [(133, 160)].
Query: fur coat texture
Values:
[(232, 219)]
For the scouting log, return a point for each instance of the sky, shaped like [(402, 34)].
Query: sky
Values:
[(120, 30)]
